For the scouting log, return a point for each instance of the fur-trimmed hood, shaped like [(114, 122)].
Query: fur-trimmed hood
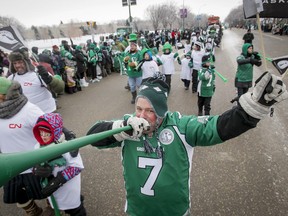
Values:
[(20, 54)]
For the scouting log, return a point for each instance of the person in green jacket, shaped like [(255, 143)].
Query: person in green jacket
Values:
[(157, 152), (206, 86), (131, 60), (244, 74)]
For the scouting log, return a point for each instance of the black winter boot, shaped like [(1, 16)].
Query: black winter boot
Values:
[(134, 95)]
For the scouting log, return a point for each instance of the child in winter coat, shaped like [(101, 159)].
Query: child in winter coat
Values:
[(196, 55), (167, 59), (186, 72), (60, 176), (148, 66), (71, 83), (206, 86)]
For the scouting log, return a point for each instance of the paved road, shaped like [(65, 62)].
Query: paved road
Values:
[(245, 176)]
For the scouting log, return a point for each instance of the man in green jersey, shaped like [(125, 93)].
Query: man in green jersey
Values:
[(157, 152)]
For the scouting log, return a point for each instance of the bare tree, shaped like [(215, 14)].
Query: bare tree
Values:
[(7, 21), (164, 18), (154, 14), (236, 17)]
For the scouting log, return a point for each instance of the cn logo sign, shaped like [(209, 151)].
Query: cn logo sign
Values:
[(27, 84), (14, 126)]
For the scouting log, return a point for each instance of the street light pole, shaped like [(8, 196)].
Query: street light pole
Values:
[(130, 18), (183, 17)]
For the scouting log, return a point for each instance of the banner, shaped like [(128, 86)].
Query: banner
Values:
[(270, 8), (11, 39), (281, 63)]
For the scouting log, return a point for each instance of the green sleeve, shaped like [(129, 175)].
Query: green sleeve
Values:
[(57, 85), (200, 131)]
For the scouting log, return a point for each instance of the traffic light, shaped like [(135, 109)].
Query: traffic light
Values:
[(124, 3), (94, 25), (132, 2), (91, 23)]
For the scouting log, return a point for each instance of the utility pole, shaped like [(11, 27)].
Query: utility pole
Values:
[(183, 18), (183, 15), (129, 3)]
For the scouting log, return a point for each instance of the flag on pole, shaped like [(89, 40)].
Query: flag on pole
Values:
[(252, 7), (266, 9), (11, 39), (281, 64)]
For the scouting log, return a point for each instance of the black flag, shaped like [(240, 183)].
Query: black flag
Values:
[(281, 63), (11, 39), (271, 9)]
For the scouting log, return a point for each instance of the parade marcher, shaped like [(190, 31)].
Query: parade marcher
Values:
[(209, 49), (206, 86), (35, 54), (81, 61), (187, 47), (67, 54), (131, 60), (167, 59), (196, 56), (107, 59), (157, 152), (92, 62), (59, 63), (186, 71), (36, 87), (61, 177), (148, 66), (70, 87), (17, 119), (244, 73), (248, 37), (46, 61)]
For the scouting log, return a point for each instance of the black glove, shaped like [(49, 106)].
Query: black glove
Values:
[(255, 53), (53, 185), (212, 66), (43, 171), (44, 74), (256, 62)]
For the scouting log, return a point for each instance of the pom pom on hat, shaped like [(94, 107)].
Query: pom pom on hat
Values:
[(156, 91)]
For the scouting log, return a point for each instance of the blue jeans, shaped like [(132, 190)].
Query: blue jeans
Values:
[(134, 82)]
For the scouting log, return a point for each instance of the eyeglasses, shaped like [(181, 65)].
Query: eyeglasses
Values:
[(45, 134)]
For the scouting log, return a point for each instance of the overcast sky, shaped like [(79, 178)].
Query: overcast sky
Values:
[(51, 12)]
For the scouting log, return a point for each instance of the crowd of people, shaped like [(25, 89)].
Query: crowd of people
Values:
[(158, 138)]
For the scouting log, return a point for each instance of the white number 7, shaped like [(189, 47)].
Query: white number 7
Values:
[(156, 165)]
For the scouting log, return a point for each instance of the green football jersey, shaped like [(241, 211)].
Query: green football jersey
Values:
[(161, 186)]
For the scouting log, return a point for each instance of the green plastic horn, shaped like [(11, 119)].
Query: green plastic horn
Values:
[(11, 164)]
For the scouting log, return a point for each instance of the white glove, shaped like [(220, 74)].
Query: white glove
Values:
[(138, 125), (268, 90), (207, 75)]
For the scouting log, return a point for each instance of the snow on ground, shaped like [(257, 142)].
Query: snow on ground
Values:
[(47, 44)]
